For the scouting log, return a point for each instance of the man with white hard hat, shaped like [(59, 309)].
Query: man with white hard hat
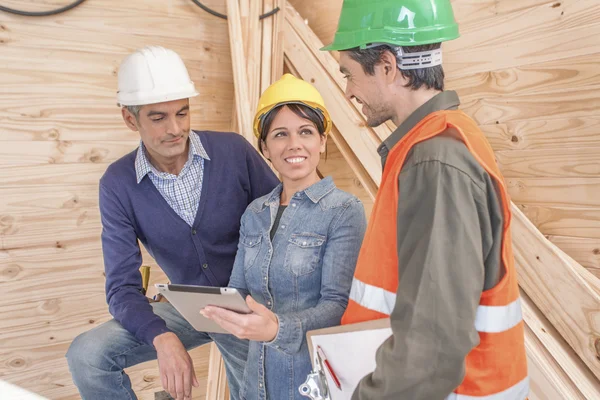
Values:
[(181, 193)]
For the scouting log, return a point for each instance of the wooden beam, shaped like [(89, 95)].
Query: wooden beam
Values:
[(546, 345), (244, 115), (217, 388), (566, 293), (267, 47), (253, 57), (278, 41)]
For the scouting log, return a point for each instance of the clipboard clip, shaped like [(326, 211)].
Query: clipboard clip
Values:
[(315, 387)]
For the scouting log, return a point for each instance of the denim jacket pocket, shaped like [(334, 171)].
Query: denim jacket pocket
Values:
[(251, 245), (302, 255)]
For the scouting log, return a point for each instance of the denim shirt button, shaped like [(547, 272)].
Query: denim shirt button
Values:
[(293, 204), (282, 226)]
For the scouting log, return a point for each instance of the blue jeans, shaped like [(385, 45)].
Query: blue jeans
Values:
[(97, 358)]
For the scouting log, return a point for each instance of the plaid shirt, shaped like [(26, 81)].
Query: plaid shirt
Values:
[(182, 192)]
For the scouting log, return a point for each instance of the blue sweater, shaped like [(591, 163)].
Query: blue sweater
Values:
[(202, 254)]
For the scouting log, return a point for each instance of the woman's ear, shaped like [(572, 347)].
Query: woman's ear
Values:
[(265, 150), (323, 143)]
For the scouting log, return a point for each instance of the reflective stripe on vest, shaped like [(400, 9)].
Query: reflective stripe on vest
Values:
[(516, 392), (490, 319)]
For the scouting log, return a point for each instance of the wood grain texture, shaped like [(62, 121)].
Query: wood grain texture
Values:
[(586, 251), (566, 293), (572, 162), (558, 192), (583, 222), (559, 133), (557, 364)]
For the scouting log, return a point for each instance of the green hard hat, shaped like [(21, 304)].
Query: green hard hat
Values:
[(394, 22)]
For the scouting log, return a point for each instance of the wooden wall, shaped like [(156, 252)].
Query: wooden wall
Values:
[(527, 72), (59, 130)]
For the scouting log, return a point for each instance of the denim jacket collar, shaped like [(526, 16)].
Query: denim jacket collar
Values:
[(314, 192)]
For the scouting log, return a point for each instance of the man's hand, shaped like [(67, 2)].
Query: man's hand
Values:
[(262, 325), (175, 366)]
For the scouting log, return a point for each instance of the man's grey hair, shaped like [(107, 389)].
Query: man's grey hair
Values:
[(430, 78), (135, 110)]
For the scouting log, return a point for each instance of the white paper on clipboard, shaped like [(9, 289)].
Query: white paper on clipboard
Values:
[(351, 355)]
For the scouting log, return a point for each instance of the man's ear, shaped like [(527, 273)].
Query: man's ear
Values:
[(389, 66), (129, 119)]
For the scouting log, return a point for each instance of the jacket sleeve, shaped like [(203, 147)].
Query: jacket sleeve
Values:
[(238, 278), (441, 277), (122, 260), (339, 261)]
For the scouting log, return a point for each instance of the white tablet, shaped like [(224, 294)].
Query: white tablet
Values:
[(190, 299)]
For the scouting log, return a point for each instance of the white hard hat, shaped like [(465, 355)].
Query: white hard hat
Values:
[(153, 75)]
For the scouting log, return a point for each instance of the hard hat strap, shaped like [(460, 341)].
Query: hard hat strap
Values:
[(419, 59)]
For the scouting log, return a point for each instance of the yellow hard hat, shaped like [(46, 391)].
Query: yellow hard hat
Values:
[(287, 90)]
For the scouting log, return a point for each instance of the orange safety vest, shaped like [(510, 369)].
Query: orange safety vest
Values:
[(495, 369)]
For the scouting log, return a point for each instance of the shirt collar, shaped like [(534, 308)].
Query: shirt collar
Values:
[(445, 100), (314, 192), (143, 166)]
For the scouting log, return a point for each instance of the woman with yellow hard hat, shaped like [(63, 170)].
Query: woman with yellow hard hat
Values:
[(298, 246)]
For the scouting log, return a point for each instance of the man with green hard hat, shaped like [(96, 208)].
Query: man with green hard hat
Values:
[(437, 257)]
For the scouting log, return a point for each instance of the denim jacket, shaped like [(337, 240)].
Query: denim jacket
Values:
[(304, 276)]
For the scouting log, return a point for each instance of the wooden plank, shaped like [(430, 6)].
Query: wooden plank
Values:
[(462, 58), (267, 47), (253, 57), (216, 388), (54, 320), (169, 9), (546, 379), (63, 151), (544, 134), (563, 221), (313, 44), (569, 104), (559, 287), (49, 34), (576, 162), (44, 370), (549, 77), (532, 18), (278, 41), (558, 367), (52, 174), (362, 141), (236, 41), (585, 251), (555, 192)]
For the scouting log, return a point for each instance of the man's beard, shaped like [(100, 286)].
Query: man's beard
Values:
[(377, 116)]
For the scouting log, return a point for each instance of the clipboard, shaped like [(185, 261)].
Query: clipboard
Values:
[(350, 350)]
